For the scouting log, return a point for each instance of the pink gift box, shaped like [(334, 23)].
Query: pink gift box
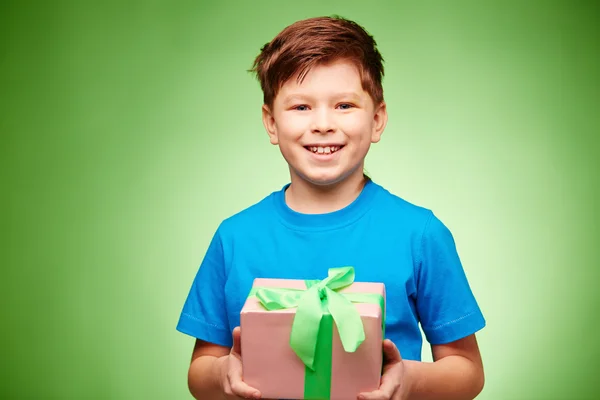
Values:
[(271, 366)]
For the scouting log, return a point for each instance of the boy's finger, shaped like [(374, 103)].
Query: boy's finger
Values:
[(237, 385), (241, 389), (237, 341), (375, 395), (391, 352), (385, 392)]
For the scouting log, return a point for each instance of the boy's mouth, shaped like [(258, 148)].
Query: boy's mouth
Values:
[(324, 149)]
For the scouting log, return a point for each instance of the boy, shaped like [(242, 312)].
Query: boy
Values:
[(323, 107)]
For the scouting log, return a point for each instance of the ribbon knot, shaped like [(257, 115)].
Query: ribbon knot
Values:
[(322, 292)]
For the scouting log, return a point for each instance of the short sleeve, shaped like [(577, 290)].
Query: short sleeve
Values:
[(204, 314), (445, 304)]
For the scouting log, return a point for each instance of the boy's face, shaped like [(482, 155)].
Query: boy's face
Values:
[(325, 126)]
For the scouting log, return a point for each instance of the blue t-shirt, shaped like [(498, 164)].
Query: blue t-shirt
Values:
[(385, 238)]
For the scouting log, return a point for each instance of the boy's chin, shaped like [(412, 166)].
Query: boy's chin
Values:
[(325, 181), (327, 177)]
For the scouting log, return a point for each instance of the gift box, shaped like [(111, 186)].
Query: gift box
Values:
[(310, 339)]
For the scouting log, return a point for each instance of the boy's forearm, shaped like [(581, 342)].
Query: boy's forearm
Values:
[(451, 378), (204, 378)]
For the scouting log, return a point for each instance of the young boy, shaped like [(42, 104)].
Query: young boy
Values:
[(323, 107)]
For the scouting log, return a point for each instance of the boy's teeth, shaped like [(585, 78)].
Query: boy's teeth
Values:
[(324, 150)]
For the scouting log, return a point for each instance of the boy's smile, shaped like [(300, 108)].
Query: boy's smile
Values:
[(324, 152), (324, 126)]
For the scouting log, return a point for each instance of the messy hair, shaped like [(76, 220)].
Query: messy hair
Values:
[(315, 41)]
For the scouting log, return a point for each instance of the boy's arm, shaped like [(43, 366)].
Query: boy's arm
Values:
[(456, 373), (204, 374), (216, 371)]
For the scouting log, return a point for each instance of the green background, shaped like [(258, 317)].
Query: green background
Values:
[(130, 130)]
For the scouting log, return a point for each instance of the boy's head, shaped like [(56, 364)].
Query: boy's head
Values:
[(323, 98), (310, 42)]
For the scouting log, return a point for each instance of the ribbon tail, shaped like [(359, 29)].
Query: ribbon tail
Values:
[(347, 320), (305, 328), (370, 298)]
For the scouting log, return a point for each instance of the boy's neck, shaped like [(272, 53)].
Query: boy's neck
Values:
[(306, 198)]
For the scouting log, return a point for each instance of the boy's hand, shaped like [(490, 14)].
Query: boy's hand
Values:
[(231, 373), (394, 385)]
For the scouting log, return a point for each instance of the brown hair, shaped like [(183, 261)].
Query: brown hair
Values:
[(315, 41)]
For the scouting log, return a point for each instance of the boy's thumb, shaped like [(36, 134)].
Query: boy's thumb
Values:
[(237, 341), (390, 352)]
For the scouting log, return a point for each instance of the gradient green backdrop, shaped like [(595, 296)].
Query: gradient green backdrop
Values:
[(129, 130)]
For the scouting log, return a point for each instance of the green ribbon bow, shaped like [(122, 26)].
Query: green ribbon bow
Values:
[(319, 299)]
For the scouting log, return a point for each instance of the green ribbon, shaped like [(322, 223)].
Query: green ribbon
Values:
[(312, 329)]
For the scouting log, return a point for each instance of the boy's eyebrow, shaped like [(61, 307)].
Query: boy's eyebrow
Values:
[(298, 96), (352, 95)]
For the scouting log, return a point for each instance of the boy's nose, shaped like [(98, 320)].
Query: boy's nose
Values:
[(322, 122)]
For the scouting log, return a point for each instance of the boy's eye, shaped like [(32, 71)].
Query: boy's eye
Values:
[(301, 107), (345, 106)]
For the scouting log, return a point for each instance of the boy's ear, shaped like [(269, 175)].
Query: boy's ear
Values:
[(380, 121), (269, 123)]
